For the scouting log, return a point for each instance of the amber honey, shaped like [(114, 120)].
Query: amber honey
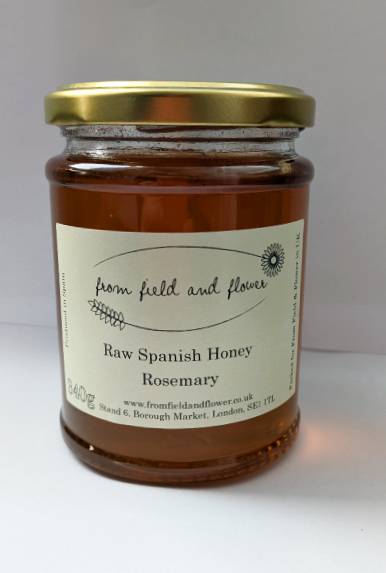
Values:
[(189, 181)]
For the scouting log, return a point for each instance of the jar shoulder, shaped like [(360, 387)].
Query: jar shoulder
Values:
[(164, 170)]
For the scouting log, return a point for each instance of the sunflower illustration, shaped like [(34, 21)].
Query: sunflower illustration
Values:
[(272, 260)]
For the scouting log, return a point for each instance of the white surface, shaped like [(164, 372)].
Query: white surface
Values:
[(336, 51), (321, 509)]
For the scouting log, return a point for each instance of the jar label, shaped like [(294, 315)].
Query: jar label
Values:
[(180, 330)]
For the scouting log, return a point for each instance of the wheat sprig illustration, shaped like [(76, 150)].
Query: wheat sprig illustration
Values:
[(107, 314)]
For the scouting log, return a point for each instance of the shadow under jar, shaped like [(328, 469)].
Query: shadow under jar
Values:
[(180, 278)]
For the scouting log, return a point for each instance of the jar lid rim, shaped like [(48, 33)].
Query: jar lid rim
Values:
[(179, 103)]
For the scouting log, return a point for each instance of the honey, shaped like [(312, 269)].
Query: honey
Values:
[(179, 221)]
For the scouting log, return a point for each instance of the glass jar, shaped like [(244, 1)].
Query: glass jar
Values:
[(179, 220)]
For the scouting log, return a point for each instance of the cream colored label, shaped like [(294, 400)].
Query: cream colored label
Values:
[(180, 330)]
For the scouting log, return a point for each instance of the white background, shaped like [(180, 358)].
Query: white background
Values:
[(334, 50), (323, 507)]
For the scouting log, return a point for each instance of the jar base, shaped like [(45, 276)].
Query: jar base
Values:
[(175, 473)]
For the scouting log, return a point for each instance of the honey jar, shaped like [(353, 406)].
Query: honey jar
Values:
[(179, 216)]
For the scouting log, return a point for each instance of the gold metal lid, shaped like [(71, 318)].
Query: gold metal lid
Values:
[(179, 103)]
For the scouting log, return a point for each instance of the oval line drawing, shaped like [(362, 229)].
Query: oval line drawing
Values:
[(178, 247), (188, 329)]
